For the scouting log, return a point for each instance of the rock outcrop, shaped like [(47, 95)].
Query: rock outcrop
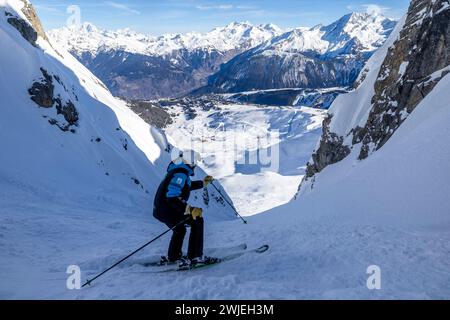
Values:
[(405, 76), (415, 62), (331, 150), (31, 29), (30, 13), (42, 92)]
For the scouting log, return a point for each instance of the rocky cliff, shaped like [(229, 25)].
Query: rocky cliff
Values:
[(393, 83)]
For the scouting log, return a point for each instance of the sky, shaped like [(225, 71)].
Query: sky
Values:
[(158, 17)]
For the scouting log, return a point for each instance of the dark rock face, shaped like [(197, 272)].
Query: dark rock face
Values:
[(30, 13), (404, 80), (25, 29), (42, 93), (30, 32), (331, 150), (68, 110)]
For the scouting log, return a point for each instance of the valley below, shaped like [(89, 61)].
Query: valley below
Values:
[(258, 153)]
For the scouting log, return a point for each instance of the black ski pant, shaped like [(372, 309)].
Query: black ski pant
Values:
[(195, 248)]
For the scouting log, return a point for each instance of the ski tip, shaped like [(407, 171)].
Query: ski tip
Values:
[(262, 249)]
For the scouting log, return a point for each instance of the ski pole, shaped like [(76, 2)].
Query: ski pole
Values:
[(231, 206), (88, 282)]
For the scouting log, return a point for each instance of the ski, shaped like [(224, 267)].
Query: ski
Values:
[(221, 259), (156, 261)]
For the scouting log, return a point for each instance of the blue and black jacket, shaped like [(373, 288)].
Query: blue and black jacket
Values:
[(173, 193)]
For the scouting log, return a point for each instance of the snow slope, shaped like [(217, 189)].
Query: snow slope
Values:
[(385, 211), (110, 146), (321, 244), (106, 166), (43, 155)]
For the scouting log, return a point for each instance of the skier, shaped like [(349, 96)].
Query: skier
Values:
[(171, 207)]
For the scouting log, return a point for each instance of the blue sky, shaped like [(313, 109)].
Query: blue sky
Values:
[(170, 16)]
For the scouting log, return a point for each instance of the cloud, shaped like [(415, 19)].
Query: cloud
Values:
[(215, 7), (370, 8), (50, 9), (122, 7), (225, 7), (245, 7), (375, 9)]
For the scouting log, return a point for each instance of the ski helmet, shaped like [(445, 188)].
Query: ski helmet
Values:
[(191, 158), (176, 156)]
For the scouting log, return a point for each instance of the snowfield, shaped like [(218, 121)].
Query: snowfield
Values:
[(311, 257), (59, 208), (257, 153)]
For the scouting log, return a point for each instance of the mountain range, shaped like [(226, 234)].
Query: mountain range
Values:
[(237, 57), (137, 66), (319, 57)]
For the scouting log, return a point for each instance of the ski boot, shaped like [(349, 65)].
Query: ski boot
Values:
[(164, 261), (187, 264)]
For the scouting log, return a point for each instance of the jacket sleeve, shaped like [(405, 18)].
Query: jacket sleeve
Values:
[(195, 185)]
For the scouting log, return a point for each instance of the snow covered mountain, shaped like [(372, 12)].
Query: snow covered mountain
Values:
[(139, 66), (237, 57), (390, 131), (386, 208), (361, 32), (89, 38), (319, 57)]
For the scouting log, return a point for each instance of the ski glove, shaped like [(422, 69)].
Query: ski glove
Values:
[(194, 212), (207, 180)]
